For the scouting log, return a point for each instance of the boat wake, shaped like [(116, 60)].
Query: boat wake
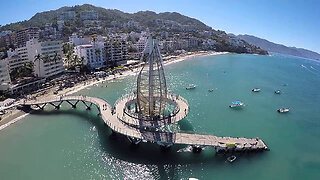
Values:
[(312, 70)]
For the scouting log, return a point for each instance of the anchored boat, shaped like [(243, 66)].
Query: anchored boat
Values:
[(277, 91), (236, 104), (210, 90), (191, 86), (256, 90), (231, 158), (283, 110)]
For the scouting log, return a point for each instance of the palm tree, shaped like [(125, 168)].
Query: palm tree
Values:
[(46, 59), (69, 57), (81, 61), (56, 57), (38, 58), (75, 60)]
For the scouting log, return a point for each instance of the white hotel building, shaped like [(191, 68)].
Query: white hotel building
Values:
[(47, 48), (4, 75), (94, 54)]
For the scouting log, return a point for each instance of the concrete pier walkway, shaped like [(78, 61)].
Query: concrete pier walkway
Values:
[(116, 119)]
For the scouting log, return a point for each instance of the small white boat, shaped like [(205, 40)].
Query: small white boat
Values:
[(191, 86), (231, 158), (256, 90), (236, 104), (283, 110), (277, 91)]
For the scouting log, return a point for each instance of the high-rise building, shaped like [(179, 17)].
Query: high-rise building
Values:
[(25, 35), (17, 58), (75, 40), (51, 63), (116, 52), (89, 15), (7, 39), (67, 15), (93, 54), (4, 75)]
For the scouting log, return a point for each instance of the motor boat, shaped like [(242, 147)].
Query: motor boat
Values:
[(231, 158), (236, 104), (191, 86), (283, 110), (210, 90), (277, 91), (256, 90)]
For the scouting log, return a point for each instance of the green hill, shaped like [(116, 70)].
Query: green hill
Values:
[(171, 22)]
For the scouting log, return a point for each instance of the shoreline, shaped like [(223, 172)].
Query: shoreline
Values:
[(11, 119)]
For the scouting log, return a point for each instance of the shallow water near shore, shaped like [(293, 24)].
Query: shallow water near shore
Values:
[(75, 144)]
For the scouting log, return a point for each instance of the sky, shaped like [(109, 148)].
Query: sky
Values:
[(289, 22)]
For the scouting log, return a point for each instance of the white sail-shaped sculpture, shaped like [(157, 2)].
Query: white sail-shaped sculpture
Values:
[(151, 83)]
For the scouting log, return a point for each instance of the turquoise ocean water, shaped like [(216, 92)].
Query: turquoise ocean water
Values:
[(74, 144)]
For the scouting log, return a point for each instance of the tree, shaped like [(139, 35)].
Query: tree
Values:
[(75, 60), (69, 58), (38, 58), (56, 57), (81, 61), (46, 59)]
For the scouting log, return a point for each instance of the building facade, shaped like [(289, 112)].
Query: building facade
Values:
[(94, 54), (4, 75), (47, 66), (67, 15), (75, 40), (116, 52), (7, 39), (89, 15), (25, 35)]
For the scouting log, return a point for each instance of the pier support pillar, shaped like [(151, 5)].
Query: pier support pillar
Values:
[(113, 135), (41, 107), (73, 105), (196, 148), (134, 141), (88, 107), (56, 106), (164, 146)]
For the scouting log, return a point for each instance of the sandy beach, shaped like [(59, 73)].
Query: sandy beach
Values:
[(13, 116)]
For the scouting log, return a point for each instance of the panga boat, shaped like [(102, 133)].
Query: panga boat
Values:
[(236, 104), (231, 158), (283, 110), (210, 90), (277, 91), (256, 89), (191, 86)]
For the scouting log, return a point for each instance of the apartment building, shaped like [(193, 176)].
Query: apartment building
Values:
[(47, 66), (75, 40), (116, 52), (67, 15), (89, 15), (25, 35), (4, 75), (94, 54)]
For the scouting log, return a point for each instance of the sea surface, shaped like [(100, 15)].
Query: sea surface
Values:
[(74, 143)]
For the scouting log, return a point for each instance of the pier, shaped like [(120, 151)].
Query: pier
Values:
[(112, 119)]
